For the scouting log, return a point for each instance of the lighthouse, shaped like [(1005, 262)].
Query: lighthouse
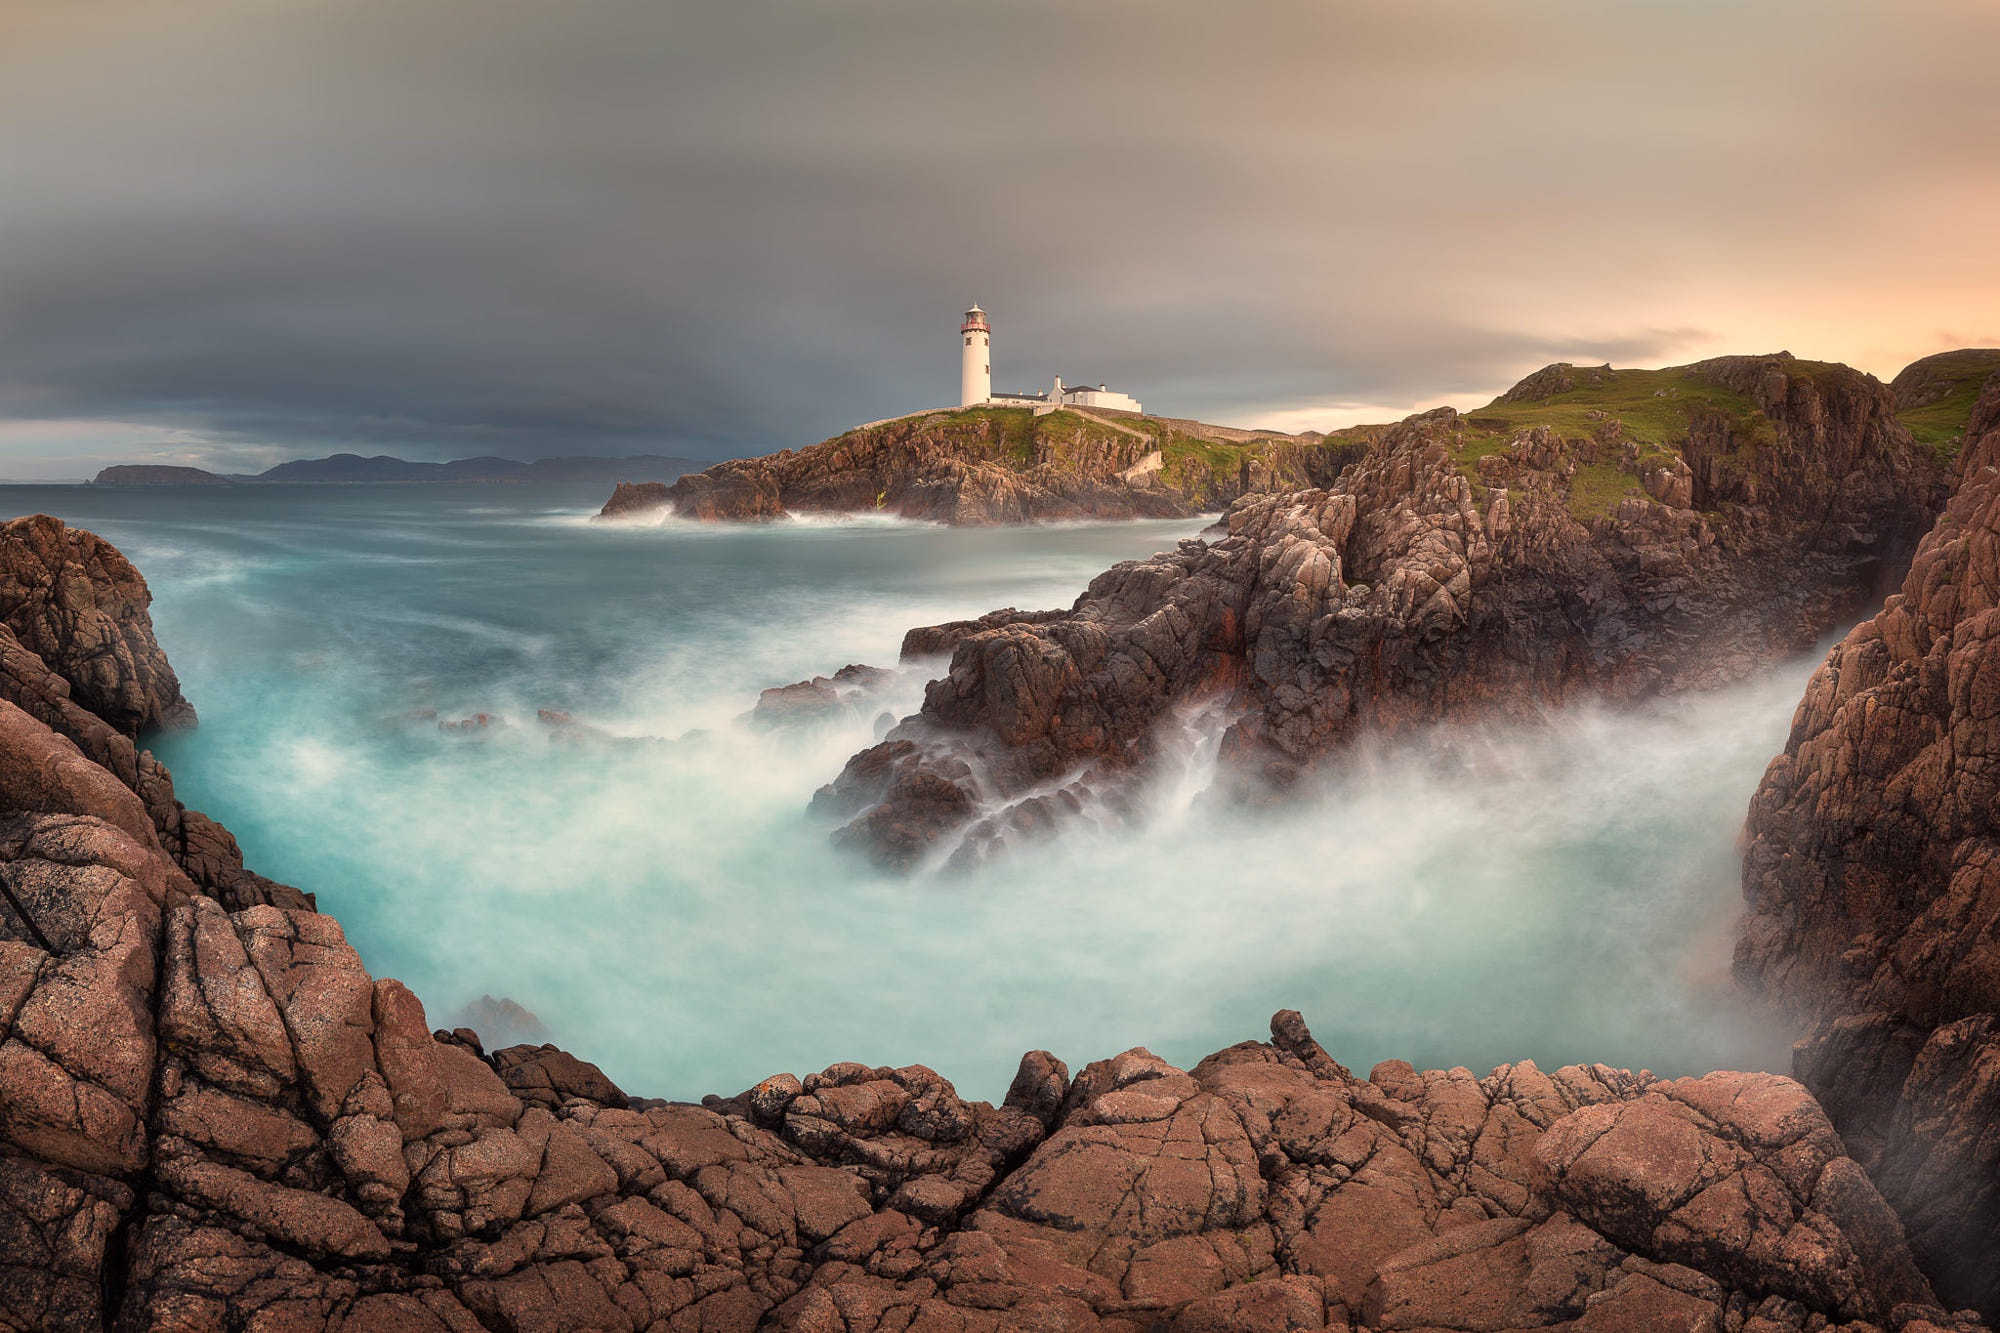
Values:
[(975, 363)]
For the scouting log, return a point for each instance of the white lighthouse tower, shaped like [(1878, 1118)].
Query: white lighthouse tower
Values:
[(975, 364)]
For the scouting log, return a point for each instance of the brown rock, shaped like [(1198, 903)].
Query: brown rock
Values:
[(292, 1217), (55, 1229), (74, 601), (1280, 1305), (1873, 878), (547, 1075)]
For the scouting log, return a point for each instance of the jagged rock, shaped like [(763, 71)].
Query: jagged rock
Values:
[(1391, 600), (1741, 1176), (308, 1130), (69, 597), (941, 640), (1873, 878), (846, 692), (548, 1075), (77, 654), (1040, 1087), (56, 1227)]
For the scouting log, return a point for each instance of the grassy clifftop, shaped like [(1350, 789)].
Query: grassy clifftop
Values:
[(1620, 423), (1934, 396), (1209, 465), (1739, 422)]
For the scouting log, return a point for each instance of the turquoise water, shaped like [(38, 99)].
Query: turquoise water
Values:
[(668, 908)]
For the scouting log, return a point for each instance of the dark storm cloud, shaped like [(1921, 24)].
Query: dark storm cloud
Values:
[(448, 228)]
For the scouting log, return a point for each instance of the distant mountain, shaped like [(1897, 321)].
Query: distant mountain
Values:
[(342, 469)]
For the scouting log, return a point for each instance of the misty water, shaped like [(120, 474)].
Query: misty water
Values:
[(671, 910)]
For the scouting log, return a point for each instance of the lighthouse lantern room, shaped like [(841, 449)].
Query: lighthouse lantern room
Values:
[(975, 376)]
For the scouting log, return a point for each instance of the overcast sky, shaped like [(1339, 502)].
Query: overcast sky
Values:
[(235, 233)]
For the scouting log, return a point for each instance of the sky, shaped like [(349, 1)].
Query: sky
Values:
[(234, 232)]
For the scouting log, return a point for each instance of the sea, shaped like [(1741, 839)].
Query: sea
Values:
[(643, 881)]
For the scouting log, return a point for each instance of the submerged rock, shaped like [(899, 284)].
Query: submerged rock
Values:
[(502, 1020)]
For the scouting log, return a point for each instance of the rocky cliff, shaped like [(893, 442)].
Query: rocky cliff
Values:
[(213, 1117), (1873, 878), (77, 654), (1601, 533), (996, 465)]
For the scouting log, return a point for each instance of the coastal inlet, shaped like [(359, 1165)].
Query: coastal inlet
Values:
[(669, 905)]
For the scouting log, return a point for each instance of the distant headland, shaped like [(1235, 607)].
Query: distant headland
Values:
[(350, 469)]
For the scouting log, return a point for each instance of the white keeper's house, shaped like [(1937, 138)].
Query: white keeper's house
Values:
[(975, 378)]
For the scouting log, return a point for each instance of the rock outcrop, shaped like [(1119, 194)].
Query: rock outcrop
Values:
[(992, 465), (1873, 878), (1430, 582), (77, 654), (847, 691)]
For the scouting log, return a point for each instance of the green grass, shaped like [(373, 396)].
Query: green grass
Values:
[(1015, 435), (1012, 429), (1941, 424), (1652, 409), (1214, 455), (1652, 405), (1061, 434), (1201, 467), (1596, 489)]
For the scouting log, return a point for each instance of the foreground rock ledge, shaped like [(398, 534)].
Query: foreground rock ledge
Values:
[(213, 1117)]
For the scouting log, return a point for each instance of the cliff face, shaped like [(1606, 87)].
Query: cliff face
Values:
[(77, 654), (986, 466), (1873, 878), (1463, 567), (215, 1118)]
